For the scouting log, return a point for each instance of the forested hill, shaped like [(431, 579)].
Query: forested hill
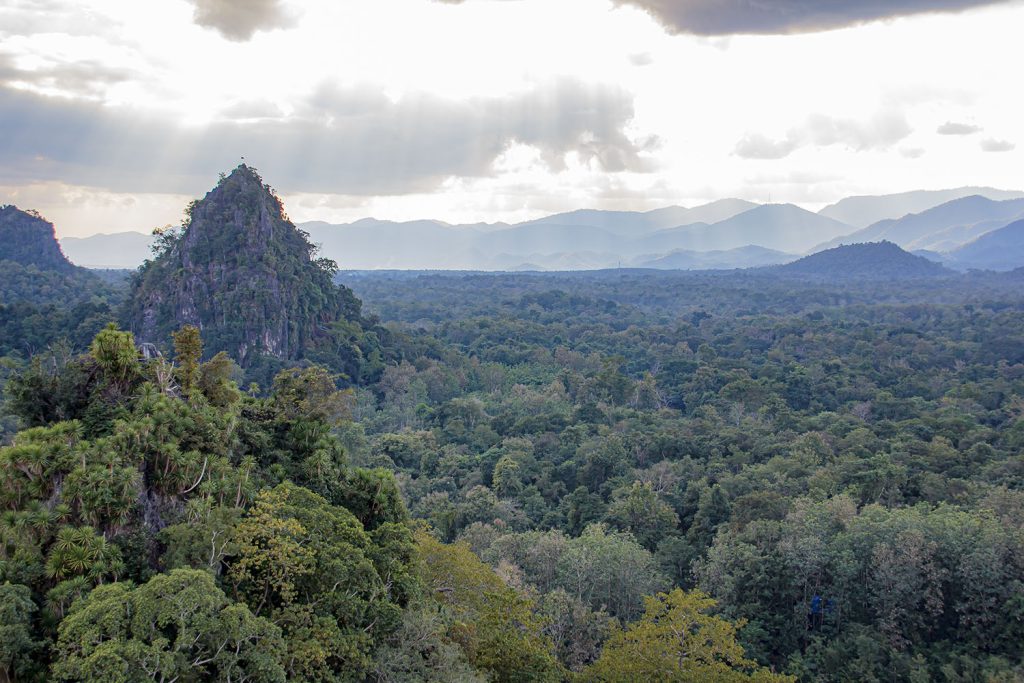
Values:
[(33, 270), (881, 260), (241, 271), (43, 297), (30, 240)]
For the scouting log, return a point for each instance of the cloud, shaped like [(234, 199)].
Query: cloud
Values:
[(954, 128), (81, 78), (994, 145), (339, 140), (71, 17), (912, 152), (239, 20), (882, 131), (724, 17), (759, 146)]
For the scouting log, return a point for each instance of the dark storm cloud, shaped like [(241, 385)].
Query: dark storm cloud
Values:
[(882, 131), (239, 20), (724, 17), (340, 140), (954, 128)]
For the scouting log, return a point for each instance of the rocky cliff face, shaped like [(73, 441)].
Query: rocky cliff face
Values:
[(29, 240), (241, 272)]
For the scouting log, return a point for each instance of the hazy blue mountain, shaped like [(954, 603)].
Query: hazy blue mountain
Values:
[(1001, 249), (374, 244), (873, 260), (675, 237), (925, 230), (634, 223), (742, 257), (863, 211), (546, 244), (661, 242), (783, 227), (934, 256), (117, 250), (955, 237)]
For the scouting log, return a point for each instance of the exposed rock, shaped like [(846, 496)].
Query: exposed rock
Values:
[(241, 272)]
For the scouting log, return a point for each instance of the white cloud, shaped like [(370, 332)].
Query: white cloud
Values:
[(881, 132), (955, 128), (995, 145)]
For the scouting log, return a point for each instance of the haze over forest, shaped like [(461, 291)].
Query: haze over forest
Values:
[(480, 341)]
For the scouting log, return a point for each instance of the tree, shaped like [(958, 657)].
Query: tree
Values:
[(116, 355), (608, 570), (188, 353), (309, 566), (493, 624), (640, 511), (175, 627), (17, 646), (677, 641)]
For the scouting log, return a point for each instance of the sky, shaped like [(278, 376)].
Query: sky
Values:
[(115, 113)]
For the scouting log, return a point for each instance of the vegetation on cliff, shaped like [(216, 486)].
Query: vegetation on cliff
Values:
[(242, 272)]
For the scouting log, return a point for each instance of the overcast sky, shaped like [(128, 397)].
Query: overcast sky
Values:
[(114, 113)]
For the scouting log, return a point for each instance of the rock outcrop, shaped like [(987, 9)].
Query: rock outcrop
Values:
[(241, 272)]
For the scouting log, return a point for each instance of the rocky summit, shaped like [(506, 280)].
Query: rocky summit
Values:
[(240, 271)]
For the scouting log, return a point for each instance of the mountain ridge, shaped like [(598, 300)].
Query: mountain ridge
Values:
[(861, 211), (1001, 249), (913, 230), (572, 240)]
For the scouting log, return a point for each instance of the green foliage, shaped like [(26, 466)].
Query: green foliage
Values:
[(676, 640), (838, 467), (17, 645), (176, 626), (188, 353), (703, 415), (491, 622), (169, 481), (307, 566)]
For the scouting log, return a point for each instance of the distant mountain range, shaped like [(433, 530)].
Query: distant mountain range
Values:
[(741, 257), (1001, 249), (861, 212), (940, 228), (119, 250), (729, 233)]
